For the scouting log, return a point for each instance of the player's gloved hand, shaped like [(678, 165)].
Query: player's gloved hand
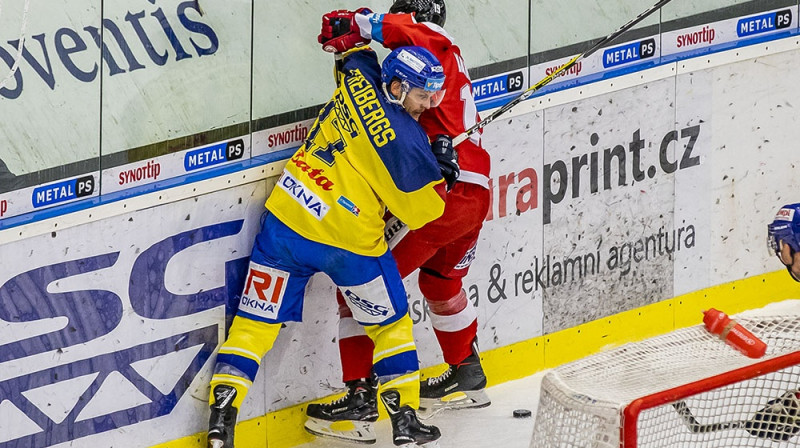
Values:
[(447, 157), (783, 238), (340, 31)]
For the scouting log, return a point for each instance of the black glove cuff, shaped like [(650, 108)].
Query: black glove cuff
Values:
[(789, 268)]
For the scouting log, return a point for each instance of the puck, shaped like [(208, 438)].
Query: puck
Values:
[(522, 413)]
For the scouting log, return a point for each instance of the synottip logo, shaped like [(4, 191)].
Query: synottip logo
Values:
[(149, 172), (699, 37), (285, 137), (574, 70)]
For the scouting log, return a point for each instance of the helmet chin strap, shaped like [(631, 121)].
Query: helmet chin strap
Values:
[(390, 98)]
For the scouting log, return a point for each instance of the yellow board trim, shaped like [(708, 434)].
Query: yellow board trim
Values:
[(284, 428)]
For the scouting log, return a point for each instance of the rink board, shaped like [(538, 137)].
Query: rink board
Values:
[(113, 315)]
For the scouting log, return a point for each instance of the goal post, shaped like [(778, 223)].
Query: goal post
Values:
[(686, 389)]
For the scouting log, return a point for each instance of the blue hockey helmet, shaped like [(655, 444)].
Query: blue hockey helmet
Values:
[(785, 227), (414, 67)]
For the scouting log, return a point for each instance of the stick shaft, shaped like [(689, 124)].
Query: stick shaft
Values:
[(546, 80), (338, 64), (697, 427)]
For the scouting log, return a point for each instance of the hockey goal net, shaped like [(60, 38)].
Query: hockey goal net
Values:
[(683, 389)]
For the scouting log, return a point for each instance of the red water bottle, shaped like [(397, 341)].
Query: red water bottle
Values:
[(734, 334)]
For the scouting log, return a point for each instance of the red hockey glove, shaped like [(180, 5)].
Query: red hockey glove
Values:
[(340, 31)]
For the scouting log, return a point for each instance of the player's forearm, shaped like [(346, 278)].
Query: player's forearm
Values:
[(397, 30)]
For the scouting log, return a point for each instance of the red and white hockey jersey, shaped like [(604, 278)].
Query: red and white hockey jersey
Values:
[(457, 111)]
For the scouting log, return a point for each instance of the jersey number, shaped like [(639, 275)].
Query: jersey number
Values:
[(470, 109), (325, 154)]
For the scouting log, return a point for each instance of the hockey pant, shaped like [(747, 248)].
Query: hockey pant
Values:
[(281, 265), (443, 251)]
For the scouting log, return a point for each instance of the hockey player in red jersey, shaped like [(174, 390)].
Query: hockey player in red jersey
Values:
[(365, 153), (443, 249)]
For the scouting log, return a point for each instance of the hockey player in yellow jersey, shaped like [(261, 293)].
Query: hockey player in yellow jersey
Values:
[(365, 153)]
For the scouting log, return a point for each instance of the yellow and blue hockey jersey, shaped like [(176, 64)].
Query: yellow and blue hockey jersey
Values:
[(362, 154)]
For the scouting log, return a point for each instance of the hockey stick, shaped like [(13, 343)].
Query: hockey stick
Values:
[(338, 64), (778, 420), (696, 427), (336, 31), (546, 80)]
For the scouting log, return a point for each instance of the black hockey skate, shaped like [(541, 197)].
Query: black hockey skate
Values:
[(350, 417), (407, 430), (223, 418), (461, 386)]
